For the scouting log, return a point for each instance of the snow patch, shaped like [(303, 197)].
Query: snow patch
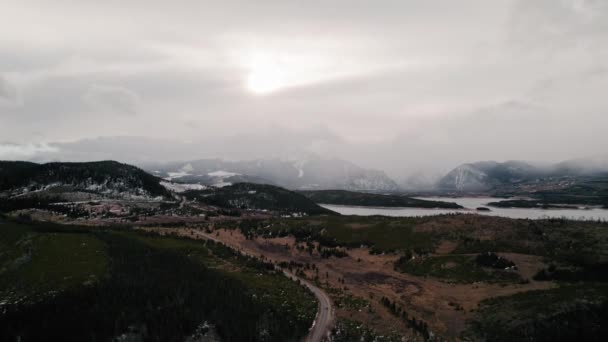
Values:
[(222, 174), (299, 165), (178, 187), (179, 174), (467, 175)]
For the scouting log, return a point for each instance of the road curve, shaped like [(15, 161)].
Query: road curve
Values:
[(322, 324)]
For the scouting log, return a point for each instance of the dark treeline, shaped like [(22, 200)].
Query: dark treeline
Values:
[(302, 233), (258, 196), (417, 325), (493, 260), (45, 203), (343, 197), (594, 272), (528, 204), (122, 176), (329, 252), (158, 294), (575, 320)]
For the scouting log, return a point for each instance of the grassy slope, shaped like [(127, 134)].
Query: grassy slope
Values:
[(568, 313), (163, 287), (381, 233), (455, 268), (34, 263), (275, 288)]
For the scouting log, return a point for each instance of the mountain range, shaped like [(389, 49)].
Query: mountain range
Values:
[(521, 178), (30, 185), (295, 174), (486, 175), (114, 179)]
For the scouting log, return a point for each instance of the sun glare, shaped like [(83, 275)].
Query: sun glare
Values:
[(270, 71), (266, 75)]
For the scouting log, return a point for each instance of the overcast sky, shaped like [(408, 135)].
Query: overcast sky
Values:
[(389, 84)]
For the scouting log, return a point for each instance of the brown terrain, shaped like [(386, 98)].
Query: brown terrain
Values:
[(445, 307), (357, 282)]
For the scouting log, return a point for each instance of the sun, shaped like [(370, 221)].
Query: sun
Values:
[(266, 74), (269, 71)]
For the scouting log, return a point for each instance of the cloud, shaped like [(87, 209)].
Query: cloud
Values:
[(408, 82), (555, 25), (10, 151), (112, 99), (8, 93)]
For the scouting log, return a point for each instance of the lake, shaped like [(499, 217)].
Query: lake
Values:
[(470, 203)]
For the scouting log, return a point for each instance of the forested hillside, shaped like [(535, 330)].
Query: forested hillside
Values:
[(257, 196), (61, 283), (104, 177), (342, 197)]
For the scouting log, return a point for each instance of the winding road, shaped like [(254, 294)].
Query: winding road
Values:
[(322, 324)]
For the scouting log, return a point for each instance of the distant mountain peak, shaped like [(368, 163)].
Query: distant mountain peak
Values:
[(511, 175), (466, 177), (306, 173)]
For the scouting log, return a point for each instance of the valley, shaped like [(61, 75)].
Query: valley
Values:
[(258, 262)]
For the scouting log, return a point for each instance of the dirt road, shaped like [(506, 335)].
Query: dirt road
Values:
[(323, 322)]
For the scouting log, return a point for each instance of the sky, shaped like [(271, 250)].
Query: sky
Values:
[(405, 86)]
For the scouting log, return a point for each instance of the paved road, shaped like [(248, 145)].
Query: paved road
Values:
[(325, 313)]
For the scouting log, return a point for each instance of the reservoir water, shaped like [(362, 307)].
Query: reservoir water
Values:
[(470, 204)]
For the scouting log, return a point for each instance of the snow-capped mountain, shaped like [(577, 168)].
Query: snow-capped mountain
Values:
[(188, 176), (481, 176), (465, 178), (313, 173), (519, 177)]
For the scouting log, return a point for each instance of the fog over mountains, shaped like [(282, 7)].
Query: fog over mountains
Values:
[(312, 159), (300, 174), (413, 161)]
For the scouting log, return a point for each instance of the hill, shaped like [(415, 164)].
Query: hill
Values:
[(342, 197), (126, 285), (257, 197), (103, 178)]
